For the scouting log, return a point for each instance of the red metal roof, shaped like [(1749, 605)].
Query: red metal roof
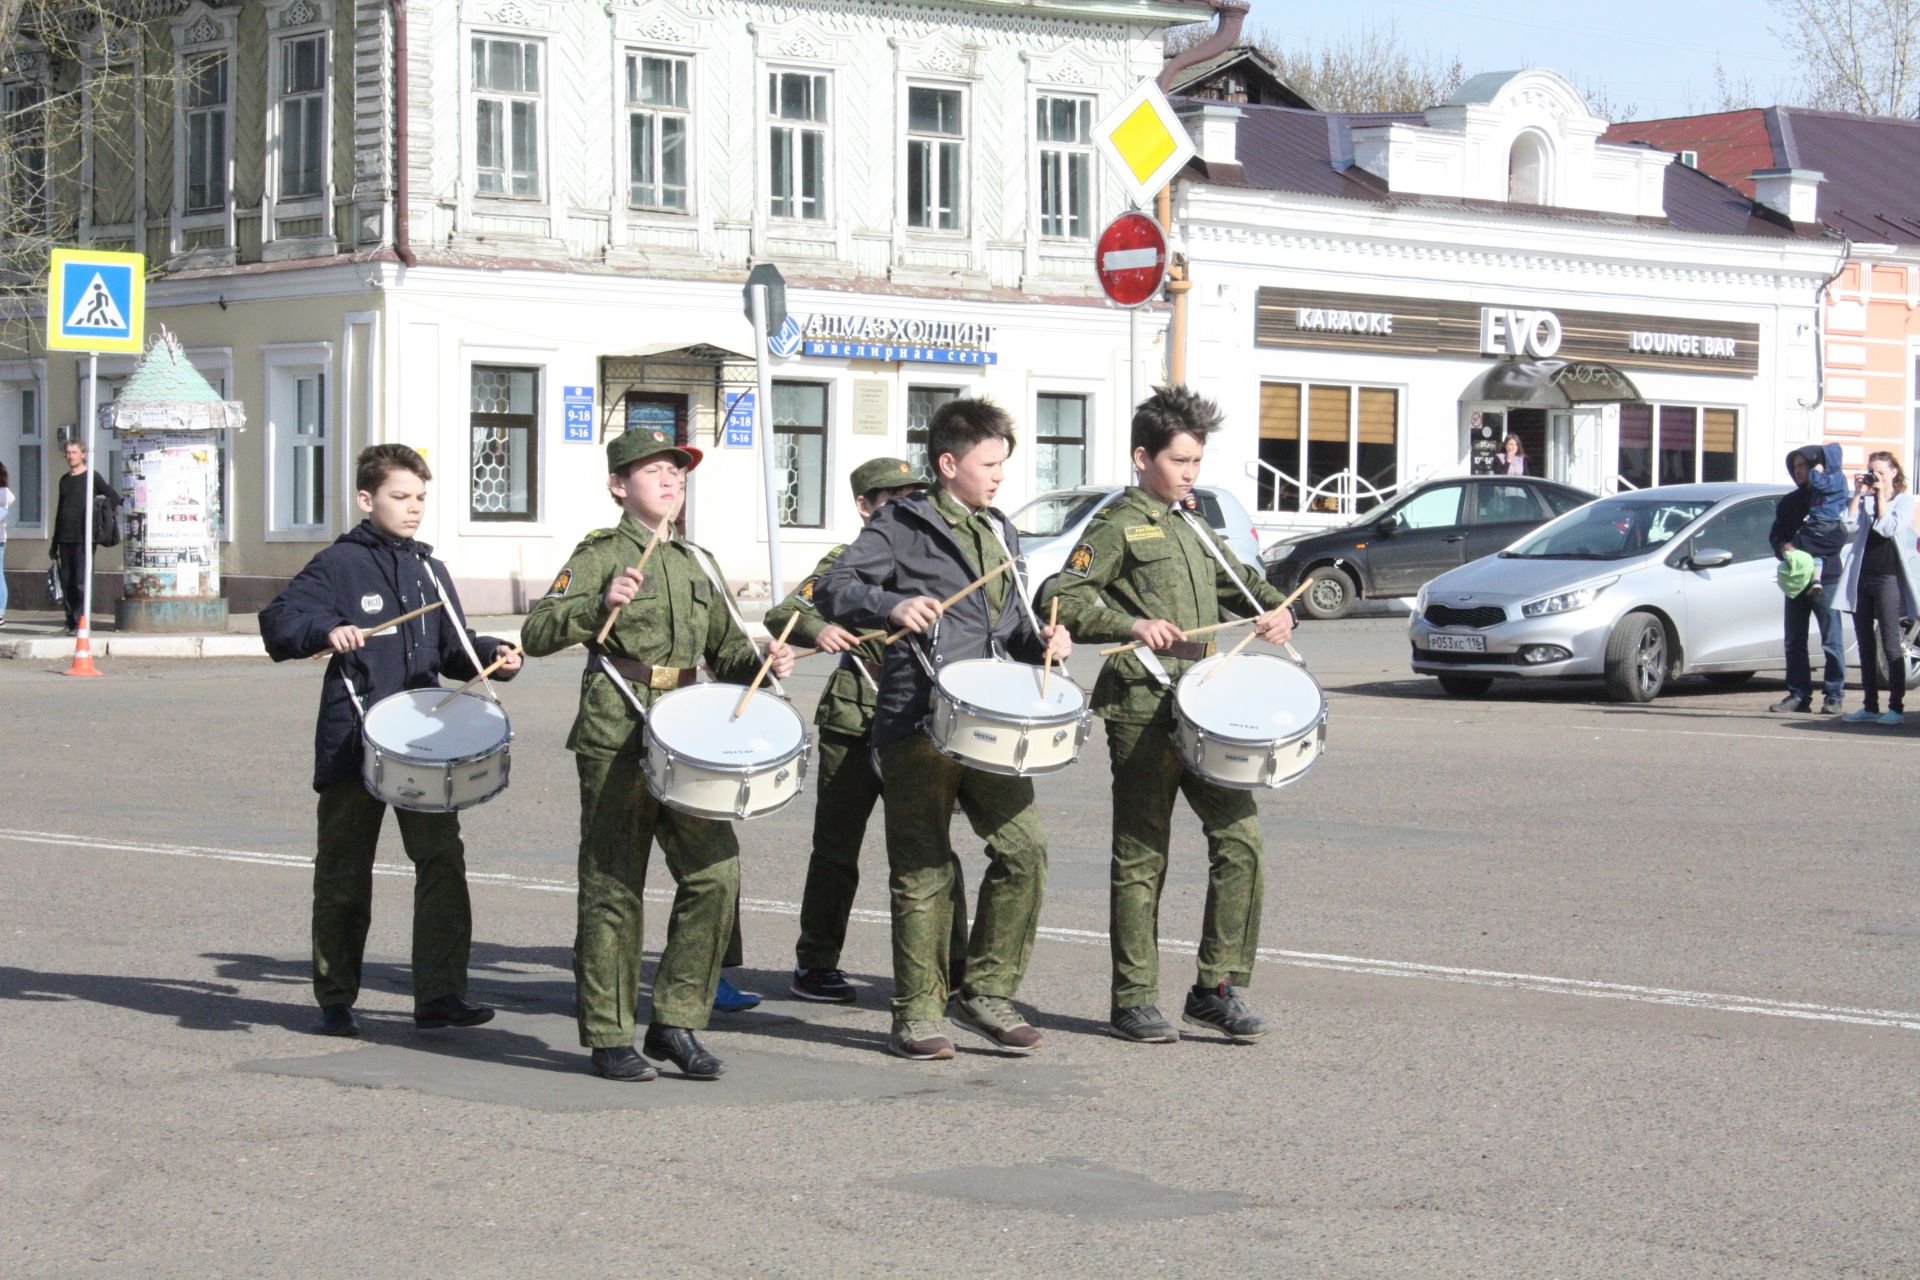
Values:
[(1730, 144)]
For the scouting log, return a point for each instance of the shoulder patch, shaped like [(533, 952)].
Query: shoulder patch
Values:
[(560, 585), (1080, 563), (1144, 532), (806, 589)]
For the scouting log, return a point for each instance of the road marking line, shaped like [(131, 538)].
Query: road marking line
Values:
[(1877, 742), (1718, 1002)]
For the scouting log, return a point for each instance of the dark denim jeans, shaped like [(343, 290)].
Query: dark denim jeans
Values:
[(1800, 610)]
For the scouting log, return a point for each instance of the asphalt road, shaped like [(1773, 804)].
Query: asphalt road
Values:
[(1562, 988)]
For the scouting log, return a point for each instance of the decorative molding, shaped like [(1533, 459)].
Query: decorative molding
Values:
[(31, 64), (1064, 65), (200, 25), (939, 54), (801, 41), (661, 23), (298, 14), (529, 15)]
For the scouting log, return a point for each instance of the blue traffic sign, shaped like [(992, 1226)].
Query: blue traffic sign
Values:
[(739, 428), (95, 300), (577, 406)]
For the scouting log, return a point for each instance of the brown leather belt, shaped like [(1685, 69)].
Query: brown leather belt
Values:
[(659, 678), (873, 668), (1189, 650)]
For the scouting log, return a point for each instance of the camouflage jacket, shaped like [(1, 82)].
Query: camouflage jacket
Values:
[(846, 704)]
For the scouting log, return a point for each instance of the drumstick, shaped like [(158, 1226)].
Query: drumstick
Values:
[(1245, 640), (1131, 645), (1053, 620), (961, 594), (659, 536), (862, 638), (761, 674), (385, 626), (504, 652)]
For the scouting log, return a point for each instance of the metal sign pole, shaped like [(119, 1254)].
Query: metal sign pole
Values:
[(763, 361), (93, 413)]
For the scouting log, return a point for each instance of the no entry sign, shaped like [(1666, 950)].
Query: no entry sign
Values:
[(1131, 259)]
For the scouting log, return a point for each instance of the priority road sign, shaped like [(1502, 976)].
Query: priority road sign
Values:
[(1143, 141), (1131, 259), (96, 301)]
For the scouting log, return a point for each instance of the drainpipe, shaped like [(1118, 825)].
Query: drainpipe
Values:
[(402, 239), (1820, 328), (1232, 15)]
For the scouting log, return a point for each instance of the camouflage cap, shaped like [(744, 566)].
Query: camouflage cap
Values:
[(639, 443), (886, 473)]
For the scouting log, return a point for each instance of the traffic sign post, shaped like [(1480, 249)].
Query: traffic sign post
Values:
[(96, 302), (766, 298)]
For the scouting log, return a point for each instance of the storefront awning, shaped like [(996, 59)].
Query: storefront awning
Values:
[(1552, 384)]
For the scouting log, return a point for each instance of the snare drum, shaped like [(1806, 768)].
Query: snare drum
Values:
[(1260, 723), (418, 755), (700, 761), (988, 714)]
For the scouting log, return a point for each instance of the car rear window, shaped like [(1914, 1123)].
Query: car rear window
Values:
[(1564, 500), (1051, 514), (1210, 508)]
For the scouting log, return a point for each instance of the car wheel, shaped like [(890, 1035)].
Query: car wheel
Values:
[(1466, 686), (1730, 679), (1636, 659), (1330, 594)]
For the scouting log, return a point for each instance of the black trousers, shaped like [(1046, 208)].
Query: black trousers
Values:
[(72, 559), (1879, 617)]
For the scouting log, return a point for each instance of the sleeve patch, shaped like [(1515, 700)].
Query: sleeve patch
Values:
[(1144, 532), (1080, 563), (806, 589), (560, 585)]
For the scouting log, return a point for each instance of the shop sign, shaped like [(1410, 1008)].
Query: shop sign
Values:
[(1699, 345), (1534, 335), (888, 338)]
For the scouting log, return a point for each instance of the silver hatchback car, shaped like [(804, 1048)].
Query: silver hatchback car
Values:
[(1638, 588)]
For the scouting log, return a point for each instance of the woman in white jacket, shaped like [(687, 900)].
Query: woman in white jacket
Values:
[(1882, 584)]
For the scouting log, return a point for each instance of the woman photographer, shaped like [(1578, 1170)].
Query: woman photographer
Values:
[(1880, 588)]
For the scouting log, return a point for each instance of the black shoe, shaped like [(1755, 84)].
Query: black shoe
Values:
[(338, 1020), (825, 986), (1222, 1009), (1142, 1024), (1792, 703), (622, 1063), (1830, 706), (677, 1045), (450, 1011)]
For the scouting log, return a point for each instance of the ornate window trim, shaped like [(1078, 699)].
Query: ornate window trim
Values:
[(287, 21), (201, 30)]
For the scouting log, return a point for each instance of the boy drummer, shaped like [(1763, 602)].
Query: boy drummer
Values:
[(1149, 569), (373, 572), (917, 551), (669, 620), (848, 786)]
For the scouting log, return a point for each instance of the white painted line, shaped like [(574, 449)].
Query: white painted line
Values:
[(1718, 1002), (1129, 259)]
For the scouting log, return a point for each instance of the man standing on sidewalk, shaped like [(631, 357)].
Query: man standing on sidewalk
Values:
[(70, 529), (1816, 602)]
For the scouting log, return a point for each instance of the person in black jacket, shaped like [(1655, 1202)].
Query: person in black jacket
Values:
[(373, 572), (1789, 520), (70, 529)]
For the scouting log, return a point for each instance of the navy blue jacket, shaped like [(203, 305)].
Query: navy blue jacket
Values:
[(365, 578)]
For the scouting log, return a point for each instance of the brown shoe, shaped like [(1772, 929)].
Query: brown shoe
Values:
[(995, 1018), (919, 1041)]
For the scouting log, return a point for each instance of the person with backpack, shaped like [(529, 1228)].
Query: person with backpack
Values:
[(70, 529)]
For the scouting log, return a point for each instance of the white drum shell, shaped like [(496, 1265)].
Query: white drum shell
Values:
[(1262, 724), (435, 761), (702, 762), (988, 714)]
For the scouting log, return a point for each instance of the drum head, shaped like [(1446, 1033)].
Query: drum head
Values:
[(1011, 689), (694, 722), (1256, 697), (407, 724)]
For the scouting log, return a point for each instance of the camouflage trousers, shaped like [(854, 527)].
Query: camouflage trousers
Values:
[(1147, 776)]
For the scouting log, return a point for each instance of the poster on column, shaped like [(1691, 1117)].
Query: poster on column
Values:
[(173, 482)]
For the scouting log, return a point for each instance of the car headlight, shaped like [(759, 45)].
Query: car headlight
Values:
[(1420, 599), (1280, 552), (1567, 601)]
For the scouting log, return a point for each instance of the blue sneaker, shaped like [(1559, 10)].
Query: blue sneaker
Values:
[(728, 998), (1862, 716), (1892, 718)]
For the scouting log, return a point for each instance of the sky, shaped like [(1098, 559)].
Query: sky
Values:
[(1655, 57)]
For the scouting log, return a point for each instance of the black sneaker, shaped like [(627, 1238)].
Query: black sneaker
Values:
[(1831, 706), (1792, 703), (1222, 1009), (450, 1011), (825, 986), (338, 1020), (1142, 1024)]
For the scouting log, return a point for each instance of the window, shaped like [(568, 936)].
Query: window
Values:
[(297, 406), (206, 115), (1329, 449), (506, 86), (25, 453), (1066, 166), (1505, 502), (1677, 444), (1060, 442), (503, 460), (800, 453), (1691, 159), (934, 133), (26, 154), (302, 116), (1742, 530), (1564, 500), (1436, 508), (797, 145), (657, 132), (921, 402), (1527, 170)]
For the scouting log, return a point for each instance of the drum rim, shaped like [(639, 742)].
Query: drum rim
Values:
[(941, 692), (448, 762), (1180, 711)]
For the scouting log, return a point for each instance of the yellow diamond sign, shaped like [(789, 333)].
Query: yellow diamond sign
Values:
[(1144, 142)]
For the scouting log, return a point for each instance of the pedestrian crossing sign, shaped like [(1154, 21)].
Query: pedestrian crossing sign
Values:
[(96, 301)]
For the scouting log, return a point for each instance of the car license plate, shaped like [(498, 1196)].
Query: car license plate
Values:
[(1457, 644)]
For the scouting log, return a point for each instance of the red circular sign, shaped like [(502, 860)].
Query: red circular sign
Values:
[(1131, 259)]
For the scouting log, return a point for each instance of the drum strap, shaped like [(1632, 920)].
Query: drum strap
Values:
[(353, 694), (865, 669), (620, 683), (1151, 661), (1019, 578), (726, 597), (459, 626), (1205, 535)]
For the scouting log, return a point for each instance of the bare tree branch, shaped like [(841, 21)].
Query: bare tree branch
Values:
[(1859, 55)]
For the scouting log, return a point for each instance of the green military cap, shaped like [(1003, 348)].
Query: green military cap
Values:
[(886, 473), (639, 443)]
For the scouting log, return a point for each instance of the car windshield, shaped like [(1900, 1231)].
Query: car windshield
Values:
[(1611, 529), (1051, 514)]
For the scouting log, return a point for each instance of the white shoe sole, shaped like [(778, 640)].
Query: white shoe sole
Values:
[(1192, 1021), (990, 1038), (810, 997)]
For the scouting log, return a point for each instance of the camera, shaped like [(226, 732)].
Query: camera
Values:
[(1866, 480)]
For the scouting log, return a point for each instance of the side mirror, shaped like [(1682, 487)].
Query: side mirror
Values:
[(1709, 558), (1387, 527)]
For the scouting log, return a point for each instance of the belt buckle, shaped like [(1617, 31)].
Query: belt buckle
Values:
[(1208, 648), (662, 679)]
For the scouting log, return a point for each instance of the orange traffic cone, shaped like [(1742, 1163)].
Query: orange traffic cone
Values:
[(82, 653)]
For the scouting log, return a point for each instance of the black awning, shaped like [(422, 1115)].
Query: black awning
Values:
[(1552, 384)]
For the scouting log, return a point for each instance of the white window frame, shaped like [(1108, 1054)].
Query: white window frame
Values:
[(17, 376), (285, 364), (291, 23), (629, 107), (1296, 468), (834, 410), (458, 451), (1106, 443), (764, 145), (962, 205), (198, 32), (471, 97), (1085, 397), (1699, 408), (1066, 151)]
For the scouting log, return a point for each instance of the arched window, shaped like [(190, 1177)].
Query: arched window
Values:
[(1528, 170)]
